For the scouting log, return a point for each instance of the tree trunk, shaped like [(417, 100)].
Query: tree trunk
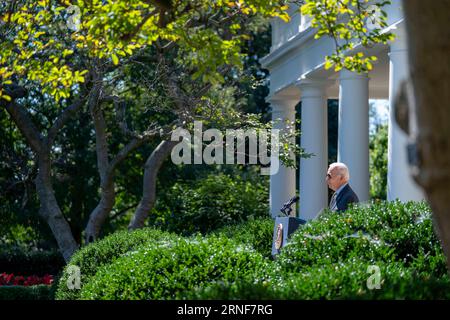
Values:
[(106, 168), (50, 210), (429, 60), (101, 212), (152, 166), (107, 196)]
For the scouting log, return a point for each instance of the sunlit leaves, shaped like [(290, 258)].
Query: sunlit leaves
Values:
[(32, 47), (46, 35), (349, 23)]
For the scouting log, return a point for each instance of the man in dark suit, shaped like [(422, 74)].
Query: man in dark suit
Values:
[(337, 179)]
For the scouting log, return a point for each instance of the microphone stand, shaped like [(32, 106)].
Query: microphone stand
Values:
[(286, 209)]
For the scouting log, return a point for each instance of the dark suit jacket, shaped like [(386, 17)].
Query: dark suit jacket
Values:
[(345, 197)]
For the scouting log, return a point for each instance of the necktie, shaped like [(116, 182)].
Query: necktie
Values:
[(333, 202)]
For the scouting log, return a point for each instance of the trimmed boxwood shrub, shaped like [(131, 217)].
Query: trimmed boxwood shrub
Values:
[(317, 282), (90, 258), (256, 233), (328, 259), (39, 292), (345, 280), (325, 259), (382, 231), (171, 271)]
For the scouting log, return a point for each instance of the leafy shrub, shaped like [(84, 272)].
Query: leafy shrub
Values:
[(325, 259), (244, 289), (90, 258), (211, 203), (386, 231), (411, 285), (256, 233), (328, 259), (16, 234), (171, 270), (344, 280), (378, 146), (39, 292), (317, 282)]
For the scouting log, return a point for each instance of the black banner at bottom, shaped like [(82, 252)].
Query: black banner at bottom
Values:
[(232, 309)]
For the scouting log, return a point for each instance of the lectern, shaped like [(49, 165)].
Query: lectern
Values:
[(284, 227)]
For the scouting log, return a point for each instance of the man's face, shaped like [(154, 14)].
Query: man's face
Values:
[(334, 180)]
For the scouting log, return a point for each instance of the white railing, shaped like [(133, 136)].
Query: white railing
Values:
[(282, 31)]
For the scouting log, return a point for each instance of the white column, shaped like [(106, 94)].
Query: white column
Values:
[(353, 132), (400, 184), (314, 139), (282, 183)]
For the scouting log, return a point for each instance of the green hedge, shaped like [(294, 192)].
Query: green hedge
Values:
[(256, 233), (325, 259), (328, 259), (319, 282), (21, 262), (171, 271), (383, 231), (39, 292), (345, 280), (90, 258)]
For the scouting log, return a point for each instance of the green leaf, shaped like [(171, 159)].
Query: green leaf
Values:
[(328, 64), (115, 60)]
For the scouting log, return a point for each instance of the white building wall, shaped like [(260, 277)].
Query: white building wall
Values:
[(296, 56)]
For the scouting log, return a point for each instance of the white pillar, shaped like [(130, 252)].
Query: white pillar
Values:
[(314, 139), (353, 132), (400, 184), (282, 183)]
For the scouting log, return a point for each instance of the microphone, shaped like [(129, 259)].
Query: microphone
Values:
[(286, 209)]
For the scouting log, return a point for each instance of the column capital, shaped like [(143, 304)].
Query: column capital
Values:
[(281, 102), (399, 44), (345, 74), (312, 88)]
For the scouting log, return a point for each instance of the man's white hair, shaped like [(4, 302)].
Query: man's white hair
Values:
[(341, 170)]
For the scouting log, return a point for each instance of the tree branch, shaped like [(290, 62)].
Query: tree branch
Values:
[(125, 151), (62, 119), (136, 29), (26, 126), (100, 130)]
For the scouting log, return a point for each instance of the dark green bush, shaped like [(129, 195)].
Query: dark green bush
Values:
[(19, 261), (39, 292), (256, 233), (90, 258), (211, 203), (171, 271)]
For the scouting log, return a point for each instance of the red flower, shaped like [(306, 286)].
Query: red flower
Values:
[(18, 280), (10, 279), (31, 281), (47, 279)]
